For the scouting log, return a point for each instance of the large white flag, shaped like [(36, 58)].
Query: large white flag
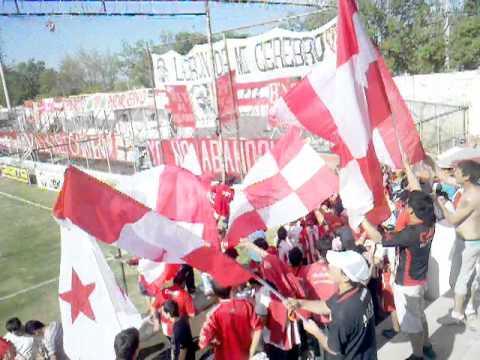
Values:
[(93, 308)]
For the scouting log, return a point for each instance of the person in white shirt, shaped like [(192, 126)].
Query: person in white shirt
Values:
[(284, 245), (24, 344), (51, 337)]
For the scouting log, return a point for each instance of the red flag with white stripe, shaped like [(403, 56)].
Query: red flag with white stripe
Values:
[(166, 189), (115, 218), (283, 185), (347, 104)]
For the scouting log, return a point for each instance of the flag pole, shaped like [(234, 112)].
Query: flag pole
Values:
[(235, 108), (122, 268), (214, 88), (157, 118), (282, 298)]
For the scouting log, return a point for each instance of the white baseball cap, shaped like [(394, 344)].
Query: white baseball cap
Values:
[(351, 263)]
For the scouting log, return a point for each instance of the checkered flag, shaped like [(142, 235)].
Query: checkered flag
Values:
[(285, 184)]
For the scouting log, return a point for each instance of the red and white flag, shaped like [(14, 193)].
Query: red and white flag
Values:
[(115, 218), (283, 185), (350, 103), (165, 189), (92, 306)]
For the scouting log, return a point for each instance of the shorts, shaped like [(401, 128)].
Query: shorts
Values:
[(470, 256), (409, 304)]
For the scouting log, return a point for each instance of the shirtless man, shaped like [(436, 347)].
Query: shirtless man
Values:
[(466, 220)]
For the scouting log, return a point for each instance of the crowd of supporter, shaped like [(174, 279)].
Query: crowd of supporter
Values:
[(318, 288), (32, 340)]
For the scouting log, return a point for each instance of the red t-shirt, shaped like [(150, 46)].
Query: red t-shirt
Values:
[(223, 197), (181, 297), (318, 284), (229, 327)]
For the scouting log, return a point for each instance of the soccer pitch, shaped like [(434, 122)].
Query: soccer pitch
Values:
[(30, 256)]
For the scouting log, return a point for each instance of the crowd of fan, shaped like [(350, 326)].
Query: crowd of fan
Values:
[(319, 287)]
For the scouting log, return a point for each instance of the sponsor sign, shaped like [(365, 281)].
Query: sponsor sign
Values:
[(16, 173)]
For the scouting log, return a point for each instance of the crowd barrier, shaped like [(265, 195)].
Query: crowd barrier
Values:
[(49, 176)]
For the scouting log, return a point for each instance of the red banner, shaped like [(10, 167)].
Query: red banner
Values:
[(226, 100), (238, 154), (72, 145), (179, 105), (263, 92)]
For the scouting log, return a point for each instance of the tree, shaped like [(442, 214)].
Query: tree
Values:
[(465, 44), (185, 41), (133, 64), (71, 77), (471, 7), (49, 83), (316, 20), (30, 72)]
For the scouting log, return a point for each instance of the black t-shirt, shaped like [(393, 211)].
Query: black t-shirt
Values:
[(182, 339), (351, 334), (413, 243)]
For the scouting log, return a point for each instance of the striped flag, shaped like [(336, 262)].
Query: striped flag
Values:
[(349, 103), (116, 219)]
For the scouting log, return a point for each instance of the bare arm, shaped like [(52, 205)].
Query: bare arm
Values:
[(372, 231), (255, 341), (247, 244), (183, 354), (413, 183), (311, 327), (318, 307), (457, 217)]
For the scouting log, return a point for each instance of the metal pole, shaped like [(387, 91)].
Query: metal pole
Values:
[(122, 267), (235, 108), (438, 135), (447, 34), (157, 118), (133, 141), (5, 90), (215, 90)]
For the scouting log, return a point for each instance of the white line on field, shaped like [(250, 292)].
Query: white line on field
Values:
[(28, 289), (10, 196), (12, 295)]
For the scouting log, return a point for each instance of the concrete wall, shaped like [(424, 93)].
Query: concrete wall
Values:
[(457, 88)]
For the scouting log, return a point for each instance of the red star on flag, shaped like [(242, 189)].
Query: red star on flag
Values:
[(78, 297)]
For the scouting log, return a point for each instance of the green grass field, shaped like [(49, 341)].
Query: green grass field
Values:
[(30, 256)]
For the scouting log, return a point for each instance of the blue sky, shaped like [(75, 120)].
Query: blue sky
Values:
[(28, 37)]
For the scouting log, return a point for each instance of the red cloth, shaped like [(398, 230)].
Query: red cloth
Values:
[(308, 239), (318, 284), (387, 293), (272, 250), (4, 347), (183, 300), (281, 331), (230, 325), (333, 221), (223, 196), (317, 281), (286, 283), (178, 184), (281, 276)]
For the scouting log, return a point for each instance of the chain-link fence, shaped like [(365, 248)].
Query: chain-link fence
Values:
[(440, 126)]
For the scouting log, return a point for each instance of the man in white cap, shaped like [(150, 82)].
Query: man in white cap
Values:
[(351, 333)]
